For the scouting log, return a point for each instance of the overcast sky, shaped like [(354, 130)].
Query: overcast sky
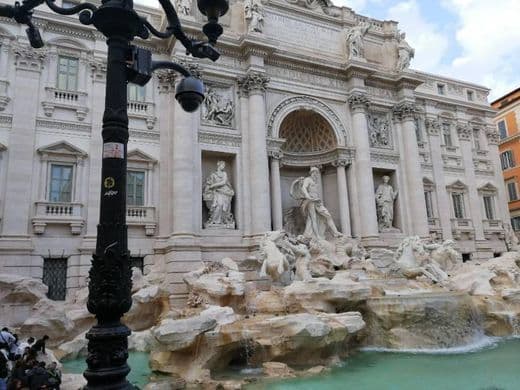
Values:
[(472, 40)]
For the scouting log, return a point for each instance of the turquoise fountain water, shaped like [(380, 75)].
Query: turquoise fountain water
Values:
[(139, 375), (494, 367)]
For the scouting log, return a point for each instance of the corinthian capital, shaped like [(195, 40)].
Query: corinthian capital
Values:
[(433, 126), (464, 131), (492, 135), (404, 110), (166, 79), (253, 82), (358, 100)]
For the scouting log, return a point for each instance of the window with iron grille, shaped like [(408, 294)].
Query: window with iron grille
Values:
[(55, 277), (60, 188), (137, 262), (67, 74), (507, 159)]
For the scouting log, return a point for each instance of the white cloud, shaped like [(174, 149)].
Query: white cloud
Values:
[(429, 41), (489, 36)]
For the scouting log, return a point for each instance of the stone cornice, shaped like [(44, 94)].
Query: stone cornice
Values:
[(211, 137), (257, 47)]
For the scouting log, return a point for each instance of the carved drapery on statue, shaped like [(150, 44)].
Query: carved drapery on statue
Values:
[(405, 52), (355, 40), (385, 197), (254, 14), (217, 195), (317, 218)]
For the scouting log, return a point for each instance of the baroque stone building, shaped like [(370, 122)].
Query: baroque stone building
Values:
[(300, 83)]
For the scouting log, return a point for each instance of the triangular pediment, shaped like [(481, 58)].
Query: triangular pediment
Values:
[(427, 181), (457, 185), (488, 187), (137, 155), (62, 148)]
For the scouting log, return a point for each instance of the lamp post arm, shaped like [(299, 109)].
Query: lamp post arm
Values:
[(170, 65)]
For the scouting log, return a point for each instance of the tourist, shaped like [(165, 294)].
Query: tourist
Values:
[(38, 377), (6, 339), (19, 374), (23, 345), (4, 371), (54, 376), (39, 346)]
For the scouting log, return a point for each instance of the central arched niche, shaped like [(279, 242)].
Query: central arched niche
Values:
[(307, 135), (306, 131)]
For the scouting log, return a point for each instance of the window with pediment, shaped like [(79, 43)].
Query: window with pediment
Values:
[(458, 192), (306, 131), (488, 193)]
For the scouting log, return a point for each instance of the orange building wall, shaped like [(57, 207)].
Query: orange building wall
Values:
[(509, 110)]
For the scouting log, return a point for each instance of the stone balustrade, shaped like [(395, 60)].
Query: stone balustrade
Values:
[(72, 100), (58, 214), (144, 111), (142, 216)]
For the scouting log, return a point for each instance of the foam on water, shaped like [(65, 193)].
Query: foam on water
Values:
[(480, 342)]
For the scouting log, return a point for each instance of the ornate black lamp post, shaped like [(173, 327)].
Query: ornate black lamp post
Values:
[(110, 276)]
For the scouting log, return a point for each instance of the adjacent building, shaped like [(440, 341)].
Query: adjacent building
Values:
[(299, 84), (507, 122)]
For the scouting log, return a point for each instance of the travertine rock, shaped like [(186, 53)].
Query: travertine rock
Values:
[(277, 370), (147, 305), (321, 294), (49, 318), (72, 382), (434, 320), (18, 294), (307, 339), (72, 349), (382, 258)]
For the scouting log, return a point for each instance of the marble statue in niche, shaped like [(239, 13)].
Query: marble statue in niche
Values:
[(183, 7), (379, 131), (355, 40), (317, 217), (254, 13), (218, 194), (404, 52), (217, 109), (385, 197)]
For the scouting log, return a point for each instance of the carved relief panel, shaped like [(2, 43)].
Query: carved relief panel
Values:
[(218, 108), (380, 130)]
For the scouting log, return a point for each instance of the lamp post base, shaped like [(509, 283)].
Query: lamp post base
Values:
[(107, 354)]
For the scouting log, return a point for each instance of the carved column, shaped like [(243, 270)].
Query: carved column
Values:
[(18, 206), (443, 200), (254, 85), (493, 140), (475, 201), (183, 161), (365, 181), (344, 213), (165, 102), (404, 114), (276, 191)]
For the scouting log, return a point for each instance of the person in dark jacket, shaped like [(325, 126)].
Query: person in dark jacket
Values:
[(38, 377), (39, 345)]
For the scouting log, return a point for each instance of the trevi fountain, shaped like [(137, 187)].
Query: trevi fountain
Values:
[(329, 219), (319, 299)]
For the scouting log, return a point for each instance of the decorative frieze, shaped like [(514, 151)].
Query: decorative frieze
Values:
[(63, 126), (382, 157), (209, 137), (253, 82)]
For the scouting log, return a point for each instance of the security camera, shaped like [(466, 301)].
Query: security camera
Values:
[(190, 93)]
